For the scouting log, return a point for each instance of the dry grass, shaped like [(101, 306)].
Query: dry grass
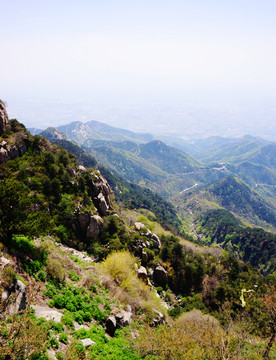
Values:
[(197, 336), (119, 276)]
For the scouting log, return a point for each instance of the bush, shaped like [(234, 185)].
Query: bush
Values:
[(63, 337), (53, 342), (8, 276), (55, 270), (67, 321)]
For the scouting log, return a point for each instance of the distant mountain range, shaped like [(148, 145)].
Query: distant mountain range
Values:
[(171, 171)]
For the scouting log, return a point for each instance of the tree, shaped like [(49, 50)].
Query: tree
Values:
[(14, 207)]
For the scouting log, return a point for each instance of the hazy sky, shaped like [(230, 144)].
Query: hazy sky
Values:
[(135, 52)]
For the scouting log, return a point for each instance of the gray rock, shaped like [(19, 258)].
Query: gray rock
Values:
[(83, 221), (13, 152), (82, 168), (124, 317), (102, 204), (3, 143), (4, 262), (47, 313), (110, 325), (5, 295), (20, 300), (140, 227), (87, 343), (160, 276), (145, 257), (158, 319), (156, 241)]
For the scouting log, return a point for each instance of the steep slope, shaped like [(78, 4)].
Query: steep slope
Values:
[(235, 196), (61, 303)]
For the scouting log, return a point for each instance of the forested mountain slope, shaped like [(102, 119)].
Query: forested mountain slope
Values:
[(59, 302)]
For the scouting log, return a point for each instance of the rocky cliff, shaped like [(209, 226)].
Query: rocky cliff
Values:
[(14, 144), (4, 119)]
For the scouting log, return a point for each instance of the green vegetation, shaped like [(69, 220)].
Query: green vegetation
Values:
[(250, 244), (205, 292)]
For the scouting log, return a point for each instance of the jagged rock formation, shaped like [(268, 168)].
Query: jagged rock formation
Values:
[(4, 119), (156, 243), (9, 152), (85, 223), (101, 191), (20, 143)]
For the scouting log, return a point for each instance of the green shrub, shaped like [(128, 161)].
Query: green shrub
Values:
[(67, 321), (63, 337), (57, 327), (73, 276), (53, 342), (60, 355), (41, 275)]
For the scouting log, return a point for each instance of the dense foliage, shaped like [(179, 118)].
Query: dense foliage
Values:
[(250, 244)]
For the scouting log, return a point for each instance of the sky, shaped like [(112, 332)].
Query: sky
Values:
[(181, 54)]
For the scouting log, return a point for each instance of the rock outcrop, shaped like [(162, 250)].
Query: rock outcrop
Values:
[(101, 192), (20, 142), (9, 152), (89, 225), (121, 319), (15, 297), (4, 119), (156, 243)]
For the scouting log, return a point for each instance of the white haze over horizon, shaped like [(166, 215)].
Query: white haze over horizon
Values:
[(193, 68)]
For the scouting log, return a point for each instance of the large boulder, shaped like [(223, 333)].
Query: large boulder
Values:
[(89, 225), (95, 227), (87, 343), (4, 119), (142, 274), (160, 276), (110, 325), (102, 205)]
